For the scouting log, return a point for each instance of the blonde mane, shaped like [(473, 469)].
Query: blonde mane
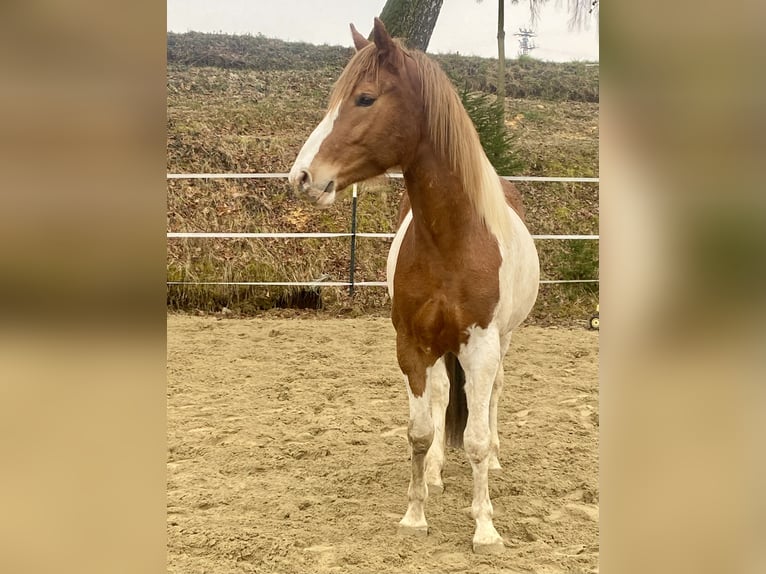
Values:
[(450, 130)]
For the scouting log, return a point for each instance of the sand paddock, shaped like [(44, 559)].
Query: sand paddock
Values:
[(288, 453)]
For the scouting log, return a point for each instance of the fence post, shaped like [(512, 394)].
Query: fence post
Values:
[(353, 244)]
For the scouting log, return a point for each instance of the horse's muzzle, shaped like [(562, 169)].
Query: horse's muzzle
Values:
[(322, 193)]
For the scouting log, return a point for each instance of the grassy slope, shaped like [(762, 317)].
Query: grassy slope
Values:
[(246, 104)]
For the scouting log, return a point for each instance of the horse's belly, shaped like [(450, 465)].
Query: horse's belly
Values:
[(519, 278)]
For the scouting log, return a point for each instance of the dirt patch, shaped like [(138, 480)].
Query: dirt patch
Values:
[(288, 453)]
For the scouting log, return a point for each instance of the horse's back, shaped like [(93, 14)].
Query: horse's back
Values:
[(513, 198)]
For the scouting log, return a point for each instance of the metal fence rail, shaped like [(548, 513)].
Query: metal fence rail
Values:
[(391, 175), (351, 283)]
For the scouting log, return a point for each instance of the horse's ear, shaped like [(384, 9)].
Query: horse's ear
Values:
[(388, 50), (359, 40)]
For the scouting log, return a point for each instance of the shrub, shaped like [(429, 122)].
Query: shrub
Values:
[(486, 111)]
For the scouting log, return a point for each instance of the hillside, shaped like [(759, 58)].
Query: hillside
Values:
[(246, 104), (525, 77)]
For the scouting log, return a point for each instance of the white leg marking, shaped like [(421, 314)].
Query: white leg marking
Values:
[(497, 389), (312, 145), (480, 358), (438, 381), (420, 434)]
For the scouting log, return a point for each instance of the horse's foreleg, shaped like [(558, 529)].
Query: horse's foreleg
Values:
[(497, 389), (438, 383), (480, 358), (494, 446), (420, 433)]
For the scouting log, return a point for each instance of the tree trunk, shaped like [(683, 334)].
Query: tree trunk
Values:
[(501, 51), (413, 20)]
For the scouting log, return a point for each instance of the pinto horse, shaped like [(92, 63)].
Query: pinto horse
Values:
[(463, 270)]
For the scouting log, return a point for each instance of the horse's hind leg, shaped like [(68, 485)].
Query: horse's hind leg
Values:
[(497, 389), (420, 434), (481, 357), (438, 383)]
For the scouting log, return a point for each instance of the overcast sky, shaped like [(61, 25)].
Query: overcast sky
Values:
[(464, 26)]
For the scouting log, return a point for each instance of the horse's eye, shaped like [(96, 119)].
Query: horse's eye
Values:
[(365, 100)]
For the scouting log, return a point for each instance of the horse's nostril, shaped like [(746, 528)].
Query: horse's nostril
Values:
[(304, 178)]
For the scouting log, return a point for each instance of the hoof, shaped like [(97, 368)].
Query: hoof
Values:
[(489, 548), (435, 489), (416, 531), (494, 464)]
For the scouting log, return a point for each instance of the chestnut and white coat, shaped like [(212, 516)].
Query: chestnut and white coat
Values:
[(463, 270)]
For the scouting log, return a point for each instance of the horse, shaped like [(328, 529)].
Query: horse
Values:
[(462, 270)]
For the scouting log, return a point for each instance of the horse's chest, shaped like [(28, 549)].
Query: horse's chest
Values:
[(438, 296)]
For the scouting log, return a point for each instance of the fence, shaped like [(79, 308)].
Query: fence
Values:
[(351, 284)]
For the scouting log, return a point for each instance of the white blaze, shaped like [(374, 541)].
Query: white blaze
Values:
[(312, 145)]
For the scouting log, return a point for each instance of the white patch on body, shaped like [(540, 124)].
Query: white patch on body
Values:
[(393, 253), (519, 276), (312, 145)]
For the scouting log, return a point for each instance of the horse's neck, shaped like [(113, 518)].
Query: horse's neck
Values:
[(441, 207)]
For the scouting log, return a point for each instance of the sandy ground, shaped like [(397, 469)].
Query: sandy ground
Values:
[(288, 453)]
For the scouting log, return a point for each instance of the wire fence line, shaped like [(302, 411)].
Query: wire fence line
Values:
[(391, 175), (335, 283), (351, 284), (321, 234)]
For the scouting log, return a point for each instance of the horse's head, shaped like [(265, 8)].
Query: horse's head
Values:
[(373, 120)]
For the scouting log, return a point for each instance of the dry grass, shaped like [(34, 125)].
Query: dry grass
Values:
[(255, 120), (524, 78)]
